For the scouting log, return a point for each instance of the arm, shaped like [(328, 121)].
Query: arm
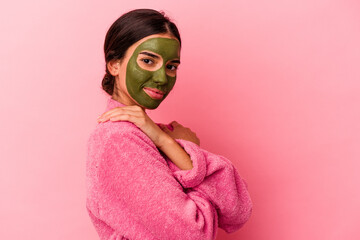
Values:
[(136, 115), (175, 152), (136, 186), (221, 183)]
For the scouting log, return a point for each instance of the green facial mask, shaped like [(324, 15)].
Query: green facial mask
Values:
[(137, 78)]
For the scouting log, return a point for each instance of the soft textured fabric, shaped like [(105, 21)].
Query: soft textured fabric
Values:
[(135, 192)]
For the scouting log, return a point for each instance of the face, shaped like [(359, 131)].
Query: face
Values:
[(151, 66)]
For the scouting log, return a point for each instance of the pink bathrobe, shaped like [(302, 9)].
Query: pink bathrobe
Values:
[(135, 192)]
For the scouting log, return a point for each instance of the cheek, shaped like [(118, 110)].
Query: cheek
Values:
[(135, 74), (171, 81)]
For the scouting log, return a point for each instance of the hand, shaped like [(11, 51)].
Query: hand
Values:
[(179, 131), (136, 115)]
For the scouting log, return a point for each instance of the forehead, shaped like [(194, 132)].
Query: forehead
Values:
[(166, 47)]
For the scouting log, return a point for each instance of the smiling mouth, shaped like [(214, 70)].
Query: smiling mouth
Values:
[(155, 90), (154, 93)]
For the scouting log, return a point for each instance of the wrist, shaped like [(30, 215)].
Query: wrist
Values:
[(164, 140)]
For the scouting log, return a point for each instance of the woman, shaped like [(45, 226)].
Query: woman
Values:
[(147, 180)]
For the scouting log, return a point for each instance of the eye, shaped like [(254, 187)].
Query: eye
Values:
[(171, 67), (147, 61)]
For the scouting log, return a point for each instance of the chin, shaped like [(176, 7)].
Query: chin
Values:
[(145, 106), (151, 103), (151, 107)]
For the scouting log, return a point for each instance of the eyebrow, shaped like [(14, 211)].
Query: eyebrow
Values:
[(149, 54), (175, 61), (155, 56)]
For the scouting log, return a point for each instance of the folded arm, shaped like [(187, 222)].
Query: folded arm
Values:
[(136, 186), (219, 180)]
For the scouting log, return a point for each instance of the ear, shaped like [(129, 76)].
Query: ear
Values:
[(114, 67)]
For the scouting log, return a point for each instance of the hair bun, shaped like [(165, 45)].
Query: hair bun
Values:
[(108, 83)]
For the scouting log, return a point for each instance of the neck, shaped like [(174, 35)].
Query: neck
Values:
[(127, 103)]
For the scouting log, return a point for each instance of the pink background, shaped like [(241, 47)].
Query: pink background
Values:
[(271, 85)]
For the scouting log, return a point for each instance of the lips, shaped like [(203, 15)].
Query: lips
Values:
[(154, 93), (155, 90)]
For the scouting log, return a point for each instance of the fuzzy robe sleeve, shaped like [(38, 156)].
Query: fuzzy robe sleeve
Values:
[(217, 178), (134, 193)]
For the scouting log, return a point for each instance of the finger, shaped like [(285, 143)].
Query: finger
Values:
[(164, 128), (175, 123), (169, 127), (108, 112), (111, 116), (106, 116), (120, 116), (125, 117)]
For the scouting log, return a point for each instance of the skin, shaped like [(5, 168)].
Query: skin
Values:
[(157, 72), (132, 74)]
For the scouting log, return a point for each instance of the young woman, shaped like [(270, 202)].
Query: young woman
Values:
[(147, 180)]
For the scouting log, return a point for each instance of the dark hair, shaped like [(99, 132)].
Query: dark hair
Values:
[(128, 29)]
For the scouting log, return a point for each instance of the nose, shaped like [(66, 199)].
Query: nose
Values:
[(160, 76)]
